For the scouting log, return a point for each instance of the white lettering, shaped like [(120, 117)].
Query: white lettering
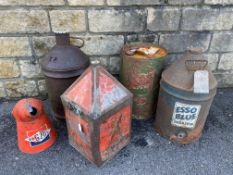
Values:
[(185, 115)]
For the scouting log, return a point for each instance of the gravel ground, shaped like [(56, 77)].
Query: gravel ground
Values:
[(147, 154)]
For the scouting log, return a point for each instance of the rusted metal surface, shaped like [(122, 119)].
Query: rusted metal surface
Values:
[(141, 68), (98, 114), (61, 67), (56, 87), (181, 113)]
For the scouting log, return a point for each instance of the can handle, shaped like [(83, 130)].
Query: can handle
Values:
[(193, 65), (78, 38)]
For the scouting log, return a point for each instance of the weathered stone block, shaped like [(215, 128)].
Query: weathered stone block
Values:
[(94, 45), (30, 69), (211, 58), (9, 69), (184, 2), (134, 2), (86, 2), (175, 43), (101, 44), (14, 46), (226, 62), (42, 87), (171, 58), (21, 88), (24, 21), (42, 45), (31, 2), (222, 42), (114, 66), (150, 38), (2, 91), (163, 19), (68, 20), (220, 2), (116, 20), (207, 19), (104, 61), (224, 79)]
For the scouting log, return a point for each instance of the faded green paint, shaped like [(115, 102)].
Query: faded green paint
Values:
[(141, 77)]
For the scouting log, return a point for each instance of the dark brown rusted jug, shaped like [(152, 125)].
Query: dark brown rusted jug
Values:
[(181, 111), (61, 67)]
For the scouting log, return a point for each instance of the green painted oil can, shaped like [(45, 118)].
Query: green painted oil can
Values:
[(141, 67)]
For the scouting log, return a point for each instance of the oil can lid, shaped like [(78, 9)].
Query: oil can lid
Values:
[(64, 60), (181, 73), (144, 51)]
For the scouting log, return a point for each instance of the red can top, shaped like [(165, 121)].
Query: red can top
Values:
[(96, 91), (27, 110)]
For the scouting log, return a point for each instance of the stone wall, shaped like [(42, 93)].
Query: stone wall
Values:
[(27, 30)]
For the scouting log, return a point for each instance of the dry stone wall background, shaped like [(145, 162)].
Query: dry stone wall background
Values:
[(27, 30)]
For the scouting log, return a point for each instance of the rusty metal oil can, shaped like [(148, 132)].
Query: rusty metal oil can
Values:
[(141, 67), (182, 108), (61, 67), (98, 114)]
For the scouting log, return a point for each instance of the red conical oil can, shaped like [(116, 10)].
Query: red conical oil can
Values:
[(35, 131), (98, 114)]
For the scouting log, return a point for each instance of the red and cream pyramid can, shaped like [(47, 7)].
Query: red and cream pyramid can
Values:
[(98, 114), (34, 130)]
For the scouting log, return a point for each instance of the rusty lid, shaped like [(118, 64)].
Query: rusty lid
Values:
[(144, 51), (64, 60), (181, 73)]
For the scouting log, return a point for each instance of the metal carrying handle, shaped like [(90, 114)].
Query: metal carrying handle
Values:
[(83, 42), (193, 65)]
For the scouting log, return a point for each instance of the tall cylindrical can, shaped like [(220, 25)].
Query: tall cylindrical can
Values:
[(141, 67), (187, 89)]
